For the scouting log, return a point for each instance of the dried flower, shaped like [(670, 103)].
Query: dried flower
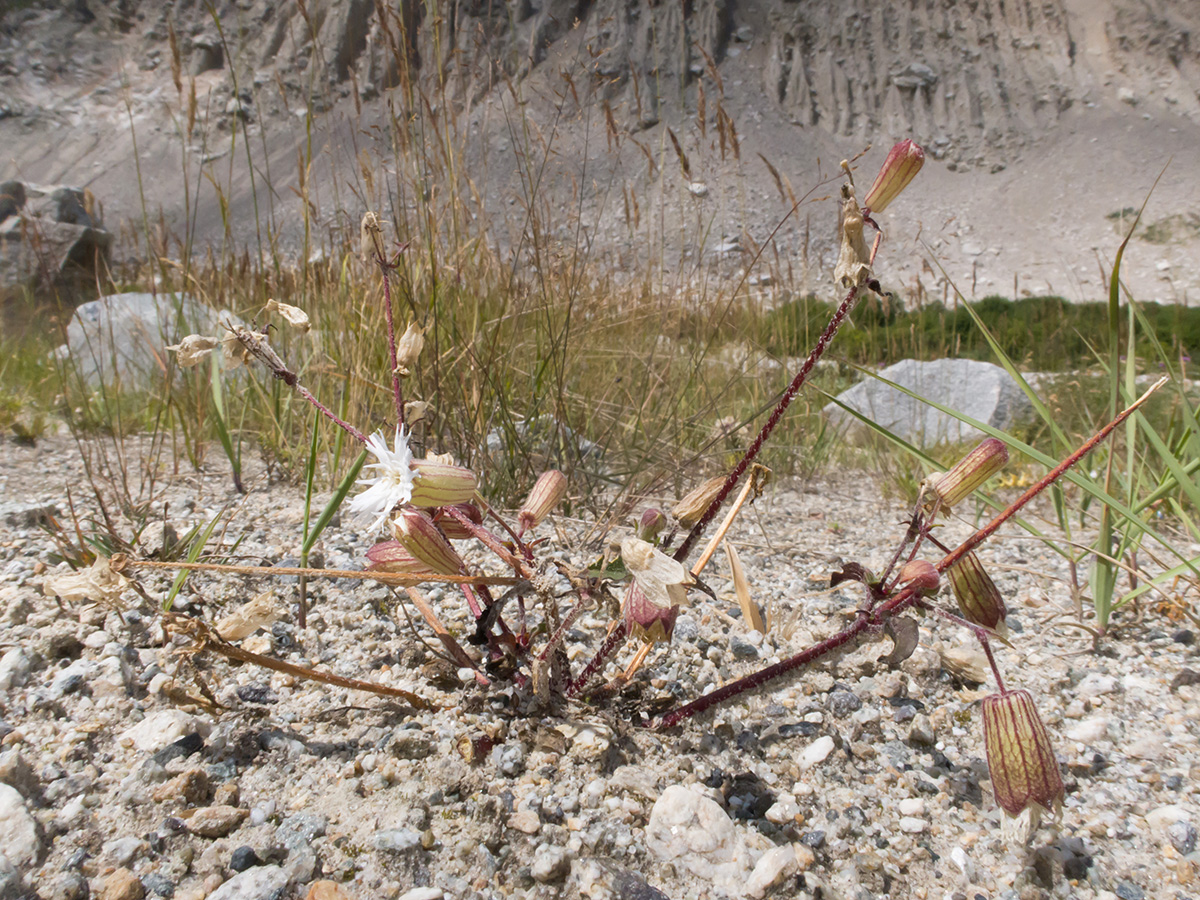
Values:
[(194, 349), (370, 245), (409, 347), (651, 524), (390, 556), (261, 612), (441, 484), (294, 315), (99, 583), (547, 493), (921, 575), (853, 266), (689, 510), (415, 411), (234, 354), (969, 473), (1020, 758), (454, 529), (663, 579), (644, 618), (423, 540), (903, 163), (392, 486), (978, 597)]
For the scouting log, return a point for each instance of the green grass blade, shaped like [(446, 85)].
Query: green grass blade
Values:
[(339, 494)]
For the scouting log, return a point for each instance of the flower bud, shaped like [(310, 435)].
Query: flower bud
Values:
[(441, 484), (978, 597), (546, 494), (409, 347), (651, 524), (689, 510), (454, 529), (645, 619), (921, 575), (901, 166), (390, 556), (969, 473), (421, 538), (1020, 758)]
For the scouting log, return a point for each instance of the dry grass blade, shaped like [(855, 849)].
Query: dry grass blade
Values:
[(207, 639), (750, 611), (683, 160), (393, 578)]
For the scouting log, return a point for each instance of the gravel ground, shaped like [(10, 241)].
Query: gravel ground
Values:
[(852, 781)]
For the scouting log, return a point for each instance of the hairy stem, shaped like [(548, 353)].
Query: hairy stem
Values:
[(780, 408)]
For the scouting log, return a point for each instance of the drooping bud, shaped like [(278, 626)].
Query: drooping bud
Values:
[(415, 411), (547, 493), (969, 473), (1020, 758), (689, 510), (421, 538), (978, 597), (903, 163), (651, 524), (441, 484), (409, 347), (390, 556), (370, 238), (454, 529), (921, 575), (645, 619)]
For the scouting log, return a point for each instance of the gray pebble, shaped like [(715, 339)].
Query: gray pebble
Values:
[(1182, 836)]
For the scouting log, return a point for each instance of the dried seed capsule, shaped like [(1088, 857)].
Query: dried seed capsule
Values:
[(547, 493), (390, 556), (689, 510), (969, 473), (409, 347), (978, 597), (421, 538), (903, 163), (454, 529), (441, 484), (1021, 761)]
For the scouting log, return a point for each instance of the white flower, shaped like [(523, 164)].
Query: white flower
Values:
[(392, 486)]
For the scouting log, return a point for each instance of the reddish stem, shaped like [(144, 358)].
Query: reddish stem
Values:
[(780, 408), (615, 639)]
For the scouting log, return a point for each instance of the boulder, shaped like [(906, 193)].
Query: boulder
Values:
[(977, 389), (49, 234), (124, 336)]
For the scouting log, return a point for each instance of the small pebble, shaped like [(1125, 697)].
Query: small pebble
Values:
[(244, 858)]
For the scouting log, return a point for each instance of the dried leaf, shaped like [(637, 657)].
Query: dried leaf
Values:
[(261, 612), (905, 635), (99, 584), (194, 349)]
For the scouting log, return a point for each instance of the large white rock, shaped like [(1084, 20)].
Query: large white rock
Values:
[(692, 831), (977, 389), (124, 336), (19, 840)]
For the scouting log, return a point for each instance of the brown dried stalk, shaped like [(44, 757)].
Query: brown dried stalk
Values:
[(207, 639)]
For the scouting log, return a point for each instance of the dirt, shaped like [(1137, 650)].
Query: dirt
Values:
[(137, 760)]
